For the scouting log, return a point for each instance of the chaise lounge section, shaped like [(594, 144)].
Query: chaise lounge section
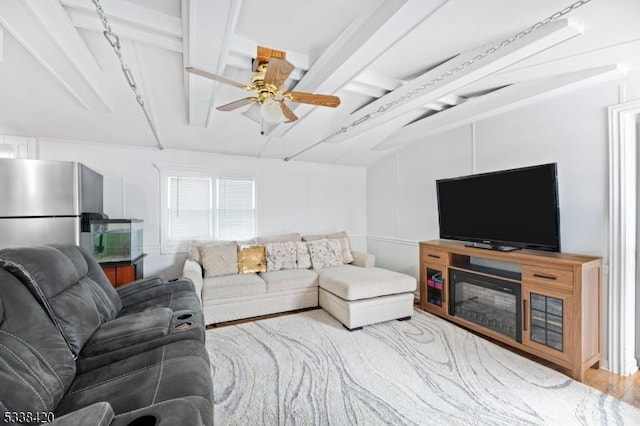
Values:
[(362, 296)]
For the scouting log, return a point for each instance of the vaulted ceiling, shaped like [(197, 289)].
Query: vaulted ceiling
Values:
[(403, 69)]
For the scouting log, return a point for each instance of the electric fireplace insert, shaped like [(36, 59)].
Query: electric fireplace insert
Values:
[(489, 302)]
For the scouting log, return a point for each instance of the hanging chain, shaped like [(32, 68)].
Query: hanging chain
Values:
[(114, 41), (418, 90)]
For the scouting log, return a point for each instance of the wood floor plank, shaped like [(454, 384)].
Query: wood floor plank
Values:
[(632, 395), (611, 383)]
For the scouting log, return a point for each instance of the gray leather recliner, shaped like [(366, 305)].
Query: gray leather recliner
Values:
[(71, 344)]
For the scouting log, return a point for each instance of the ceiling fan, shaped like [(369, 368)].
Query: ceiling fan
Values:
[(270, 70)]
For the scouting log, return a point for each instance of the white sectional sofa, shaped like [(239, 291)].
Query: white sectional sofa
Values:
[(229, 293)]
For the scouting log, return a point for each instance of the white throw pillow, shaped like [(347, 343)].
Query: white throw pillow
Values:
[(325, 253), (303, 256), (281, 256), (219, 259), (345, 249)]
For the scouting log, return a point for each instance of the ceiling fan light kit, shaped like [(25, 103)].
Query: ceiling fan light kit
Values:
[(270, 111), (270, 71)]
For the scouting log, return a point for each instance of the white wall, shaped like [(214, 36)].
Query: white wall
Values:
[(290, 196), (571, 130)]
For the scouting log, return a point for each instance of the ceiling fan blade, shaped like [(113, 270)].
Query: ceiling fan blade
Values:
[(286, 111), (215, 77), (278, 71), (313, 99), (235, 105)]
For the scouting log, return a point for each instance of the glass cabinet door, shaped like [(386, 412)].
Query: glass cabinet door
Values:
[(433, 288), (547, 317)]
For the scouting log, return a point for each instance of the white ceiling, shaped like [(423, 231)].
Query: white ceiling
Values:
[(60, 78)]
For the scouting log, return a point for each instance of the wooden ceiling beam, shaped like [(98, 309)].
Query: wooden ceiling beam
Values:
[(358, 46), (57, 24), (129, 21), (377, 85), (348, 58), (416, 96), (365, 89), (206, 47), (58, 47), (124, 13), (376, 143), (499, 102), (451, 99), (85, 21), (434, 105), (377, 79)]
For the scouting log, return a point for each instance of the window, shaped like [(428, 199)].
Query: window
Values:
[(196, 204), (189, 209), (235, 209)]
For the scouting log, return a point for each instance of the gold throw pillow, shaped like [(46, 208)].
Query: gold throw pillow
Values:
[(251, 259)]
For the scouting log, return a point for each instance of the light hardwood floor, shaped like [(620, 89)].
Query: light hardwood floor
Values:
[(624, 388)]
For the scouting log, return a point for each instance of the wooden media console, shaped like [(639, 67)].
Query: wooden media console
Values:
[(546, 304)]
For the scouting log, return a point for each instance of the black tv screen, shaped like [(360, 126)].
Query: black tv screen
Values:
[(510, 208)]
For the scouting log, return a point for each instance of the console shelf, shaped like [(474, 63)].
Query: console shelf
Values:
[(546, 304)]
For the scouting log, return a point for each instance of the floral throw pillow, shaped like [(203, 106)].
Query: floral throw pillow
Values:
[(281, 256), (325, 253), (341, 237)]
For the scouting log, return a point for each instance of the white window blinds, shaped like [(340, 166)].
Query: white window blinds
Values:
[(235, 209), (190, 208)]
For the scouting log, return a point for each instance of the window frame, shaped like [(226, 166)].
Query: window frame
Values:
[(167, 170), (239, 177)]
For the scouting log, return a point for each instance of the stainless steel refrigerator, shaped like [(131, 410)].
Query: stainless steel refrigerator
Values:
[(43, 202)]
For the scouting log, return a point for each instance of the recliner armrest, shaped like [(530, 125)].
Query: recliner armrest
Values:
[(364, 260), (139, 291), (193, 271), (98, 414), (127, 331), (151, 279), (179, 411)]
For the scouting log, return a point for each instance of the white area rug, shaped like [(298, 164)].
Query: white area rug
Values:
[(307, 369)]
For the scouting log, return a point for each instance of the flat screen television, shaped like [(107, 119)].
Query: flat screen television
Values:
[(502, 210)]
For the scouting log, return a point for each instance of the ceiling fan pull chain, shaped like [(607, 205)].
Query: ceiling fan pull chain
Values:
[(114, 41)]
